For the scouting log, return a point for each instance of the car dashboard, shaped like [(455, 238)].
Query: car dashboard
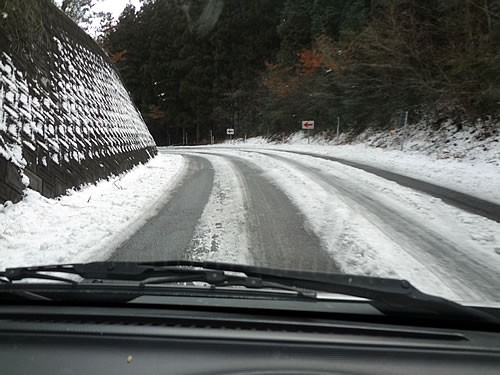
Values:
[(150, 340)]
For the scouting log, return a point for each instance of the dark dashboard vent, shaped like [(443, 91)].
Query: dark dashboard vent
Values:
[(243, 325)]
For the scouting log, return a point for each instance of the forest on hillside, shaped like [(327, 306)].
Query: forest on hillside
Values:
[(197, 67)]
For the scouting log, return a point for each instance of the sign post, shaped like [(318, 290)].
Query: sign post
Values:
[(308, 125), (230, 132), (405, 131)]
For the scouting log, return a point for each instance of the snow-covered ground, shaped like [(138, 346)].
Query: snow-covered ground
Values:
[(87, 224), (467, 161), (367, 224)]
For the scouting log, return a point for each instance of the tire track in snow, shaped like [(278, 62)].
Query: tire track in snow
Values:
[(249, 216), (278, 234), (221, 234)]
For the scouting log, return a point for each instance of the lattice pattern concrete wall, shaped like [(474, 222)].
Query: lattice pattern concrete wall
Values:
[(65, 116)]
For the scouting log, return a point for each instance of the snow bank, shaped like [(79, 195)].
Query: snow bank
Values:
[(85, 225)]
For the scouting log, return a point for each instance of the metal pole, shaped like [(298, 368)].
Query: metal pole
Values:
[(211, 139), (308, 134), (338, 126), (405, 131)]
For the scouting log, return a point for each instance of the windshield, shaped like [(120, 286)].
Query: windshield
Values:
[(348, 137)]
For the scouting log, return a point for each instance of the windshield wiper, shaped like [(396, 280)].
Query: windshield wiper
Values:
[(388, 295), (145, 274)]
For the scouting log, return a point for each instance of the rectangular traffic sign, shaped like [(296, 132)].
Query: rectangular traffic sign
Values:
[(308, 124), (230, 131)]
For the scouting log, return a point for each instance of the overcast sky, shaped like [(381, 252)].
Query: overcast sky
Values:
[(115, 7)]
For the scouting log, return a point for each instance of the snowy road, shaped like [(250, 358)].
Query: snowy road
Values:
[(270, 207), (280, 209), (267, 229)]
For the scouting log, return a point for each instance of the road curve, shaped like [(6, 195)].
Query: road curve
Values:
[(267, 225), (275, 232), (454, 198)]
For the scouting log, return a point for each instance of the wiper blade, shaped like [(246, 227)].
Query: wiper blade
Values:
[(388, 295), (145, 274), (23, 273)]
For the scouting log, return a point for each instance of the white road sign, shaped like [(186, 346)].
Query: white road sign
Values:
[(230, 131), (308, 124)]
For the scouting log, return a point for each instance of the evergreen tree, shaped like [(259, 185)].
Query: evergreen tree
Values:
[(295, 29), (200, 66)]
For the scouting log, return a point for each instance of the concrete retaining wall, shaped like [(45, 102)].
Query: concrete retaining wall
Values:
[(65, 116)]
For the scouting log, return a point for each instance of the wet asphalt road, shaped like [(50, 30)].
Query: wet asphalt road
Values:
[(278, 236), (167, 235), (275, 227)]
